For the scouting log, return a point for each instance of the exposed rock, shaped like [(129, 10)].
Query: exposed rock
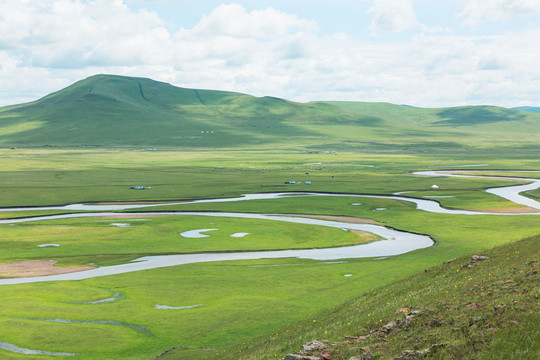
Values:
[(357, 338), (391, 326), (313, 345), (476, 258), (412, 314), (301, 357), (325, 354), (410, 354), (401, 310), (448, 261), (365, 356), (414, 354)]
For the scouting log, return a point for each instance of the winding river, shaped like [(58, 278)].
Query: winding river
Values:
[(394, 242)]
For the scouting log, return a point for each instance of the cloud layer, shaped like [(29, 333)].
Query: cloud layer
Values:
[(45, 46), (393, 15), (498, 10)]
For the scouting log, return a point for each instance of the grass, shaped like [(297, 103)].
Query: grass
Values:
[(42, 178), (487, 311), (241, 298), (98, 241), (258, 144), (105, 111)]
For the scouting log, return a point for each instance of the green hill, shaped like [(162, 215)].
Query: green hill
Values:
[(532, 109), (483, 122), (107, 110), (118, 111)]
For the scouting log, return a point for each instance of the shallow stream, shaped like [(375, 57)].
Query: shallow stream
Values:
[(394, 242)]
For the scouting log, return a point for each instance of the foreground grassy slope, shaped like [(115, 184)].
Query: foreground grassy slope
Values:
[(463, 309)]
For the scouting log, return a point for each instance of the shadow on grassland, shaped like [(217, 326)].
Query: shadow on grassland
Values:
[(477, 116)]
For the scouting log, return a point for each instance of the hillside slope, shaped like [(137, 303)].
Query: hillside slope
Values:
[(120, 111), (480, 122), (107, 110), (532, 109), (467, 308)]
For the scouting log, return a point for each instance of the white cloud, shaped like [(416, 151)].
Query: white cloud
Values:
[(65, 33), (233, 20), (393, 15), (497, 10), (263, 52)]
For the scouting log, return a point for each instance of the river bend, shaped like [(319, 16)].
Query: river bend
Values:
[(394, 242)]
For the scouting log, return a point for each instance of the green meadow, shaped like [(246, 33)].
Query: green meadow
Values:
[(101, 238), (238, 300), (85, 144)]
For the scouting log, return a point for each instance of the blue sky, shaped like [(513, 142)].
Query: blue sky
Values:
[(429, 53)]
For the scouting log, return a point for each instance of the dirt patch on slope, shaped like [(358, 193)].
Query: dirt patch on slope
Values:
[(36, 268)]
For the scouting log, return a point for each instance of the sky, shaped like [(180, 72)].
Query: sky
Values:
[(426, 53)]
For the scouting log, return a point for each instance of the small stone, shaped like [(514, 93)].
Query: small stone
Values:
[(312, 345), (448, 261), (401, 310), (413, 354), (300, 357), (388, 328), (476, 258), (366, 355), (409, 354), (412, 313), (325, 354), (357, 338)]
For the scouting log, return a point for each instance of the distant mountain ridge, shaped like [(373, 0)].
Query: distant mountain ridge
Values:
[(527, 109), (121, 111)]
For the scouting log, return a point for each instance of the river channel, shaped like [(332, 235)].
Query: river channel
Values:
[(394, 242)]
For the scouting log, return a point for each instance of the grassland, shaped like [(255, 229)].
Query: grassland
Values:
[(241, 299), (100, 239), (487, 310), (84, 145)]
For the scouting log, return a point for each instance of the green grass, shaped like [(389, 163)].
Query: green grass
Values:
[(118, 111), (123, 111), (96, 241), (39, 177), (258, 144), (241, 298), (488, 311)]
